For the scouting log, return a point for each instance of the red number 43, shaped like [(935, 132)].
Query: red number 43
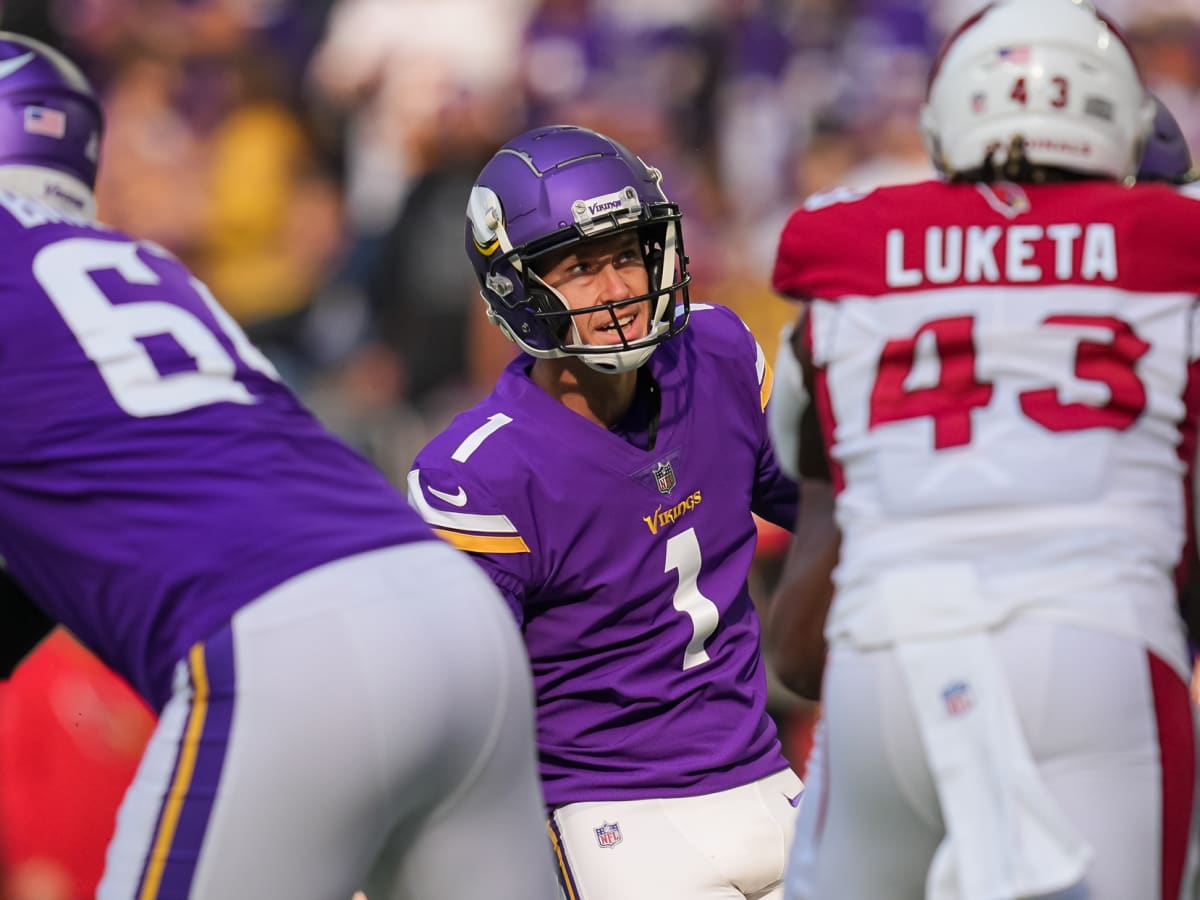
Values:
[(958, 390), (1059, 100)]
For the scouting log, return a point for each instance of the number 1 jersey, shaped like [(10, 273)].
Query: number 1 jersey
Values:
[(155, 475), (627, 567)]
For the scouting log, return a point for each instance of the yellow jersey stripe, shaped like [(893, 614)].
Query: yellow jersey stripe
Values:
[(483, 543), (183, 775), (768, 380)]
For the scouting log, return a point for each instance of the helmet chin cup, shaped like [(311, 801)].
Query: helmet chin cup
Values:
[(618, 361)]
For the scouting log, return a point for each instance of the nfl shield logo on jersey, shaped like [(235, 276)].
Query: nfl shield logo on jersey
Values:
[(664, 477), (608, 835), (957, 697)]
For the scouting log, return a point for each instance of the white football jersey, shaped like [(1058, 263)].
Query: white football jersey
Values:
[(1006, 378)]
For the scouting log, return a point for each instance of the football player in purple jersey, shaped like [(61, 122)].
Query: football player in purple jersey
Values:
[(343, 700), (608, 486)]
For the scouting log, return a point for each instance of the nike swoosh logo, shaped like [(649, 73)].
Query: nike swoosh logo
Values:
[(795, 801), (459, 499), (17, 62)]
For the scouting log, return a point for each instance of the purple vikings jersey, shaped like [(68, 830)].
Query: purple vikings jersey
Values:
[(627, 568), (155, 476)]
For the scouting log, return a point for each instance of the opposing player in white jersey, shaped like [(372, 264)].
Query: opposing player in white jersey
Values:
[(800, 601), (1007, 372), (343, 699)]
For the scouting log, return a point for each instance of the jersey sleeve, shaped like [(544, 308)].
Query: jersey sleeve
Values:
[(834, 245), (809, 243), (776, 496), (727, 336), (787, 404), (465, 512)]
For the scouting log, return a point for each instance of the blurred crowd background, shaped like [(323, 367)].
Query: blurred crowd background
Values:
[(311, 160)]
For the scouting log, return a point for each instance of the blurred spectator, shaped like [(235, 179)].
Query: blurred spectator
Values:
[(1167, 47), (155, 154), (424, 94), (421, 290), (391, 67), (271, 223), (753, 141)]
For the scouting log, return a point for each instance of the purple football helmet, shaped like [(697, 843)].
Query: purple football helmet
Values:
[(553, 187), (1166, 157), (49, 115)]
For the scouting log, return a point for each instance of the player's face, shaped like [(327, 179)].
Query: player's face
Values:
[(603, 270)]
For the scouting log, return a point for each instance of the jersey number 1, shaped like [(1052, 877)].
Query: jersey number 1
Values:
[(683, 555)]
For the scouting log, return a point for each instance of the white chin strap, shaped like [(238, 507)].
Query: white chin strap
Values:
[(618, 361), (56, 189), (605, 363)]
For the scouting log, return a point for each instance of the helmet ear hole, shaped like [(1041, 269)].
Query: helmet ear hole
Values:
[(551, 311), (653, 258)]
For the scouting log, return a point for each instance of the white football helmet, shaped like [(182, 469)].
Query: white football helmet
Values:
[(1055, 73)]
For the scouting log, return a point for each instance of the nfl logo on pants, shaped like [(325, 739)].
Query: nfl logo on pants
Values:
[(608, 835)]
